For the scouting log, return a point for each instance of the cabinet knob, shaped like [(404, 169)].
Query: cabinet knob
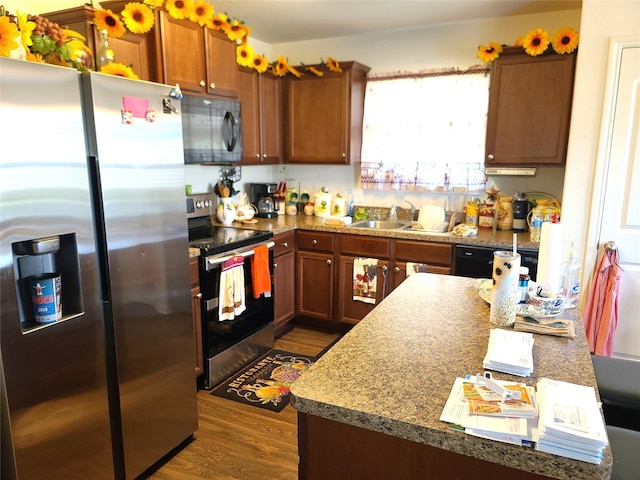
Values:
[(329, 262), (315, 242), (384, 268), (285, 244), (397, 269), (257, 155), (202, 83), (490, 157), (344, 155), (275, 265), (264, 155), (212, 86), (198, 295)]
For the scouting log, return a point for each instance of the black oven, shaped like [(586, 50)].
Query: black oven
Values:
[(229, 344), (477, 262)]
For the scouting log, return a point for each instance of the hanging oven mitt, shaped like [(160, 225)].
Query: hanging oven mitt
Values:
[(260, 274)]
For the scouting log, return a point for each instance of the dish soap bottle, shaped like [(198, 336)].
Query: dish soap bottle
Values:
[(570, 277)]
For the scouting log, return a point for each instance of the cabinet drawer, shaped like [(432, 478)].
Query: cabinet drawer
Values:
[(424, 252), (357, 245), (314, 241), (285, 242)]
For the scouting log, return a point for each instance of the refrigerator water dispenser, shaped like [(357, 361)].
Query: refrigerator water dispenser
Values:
[(47, 271)]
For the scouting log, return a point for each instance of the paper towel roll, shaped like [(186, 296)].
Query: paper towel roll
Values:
[(550, 256)]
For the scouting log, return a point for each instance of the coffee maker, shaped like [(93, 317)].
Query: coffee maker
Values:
[(262, 195), (521, 207)]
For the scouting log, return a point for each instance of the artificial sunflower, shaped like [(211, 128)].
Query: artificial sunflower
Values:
[(490, 52), (26, 27), (154, 3), (333, 65), (315, 71), (259, 63), (565, 40), (105, 19), (118, 69), (236, 31), (9, 35), (220, 22), (536, 42), (244, 55), (280, 67), (294, 71), (202, 13), (138, 18), (179, 9)]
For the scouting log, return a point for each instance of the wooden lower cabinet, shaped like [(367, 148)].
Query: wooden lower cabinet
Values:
[(351, 311), (284, 274), (437, 256), (196, 314), (315, 276), (330, 449)]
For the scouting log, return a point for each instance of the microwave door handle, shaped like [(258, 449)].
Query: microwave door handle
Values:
[(229, 128)]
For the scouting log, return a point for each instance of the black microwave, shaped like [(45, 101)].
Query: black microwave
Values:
[(211, 130)]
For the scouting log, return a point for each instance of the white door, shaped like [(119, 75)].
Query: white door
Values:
[(620, 220)]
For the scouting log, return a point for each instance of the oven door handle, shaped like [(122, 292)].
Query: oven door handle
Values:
[(211, 262)]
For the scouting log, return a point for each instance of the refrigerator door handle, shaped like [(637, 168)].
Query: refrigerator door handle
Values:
[(102, 249)]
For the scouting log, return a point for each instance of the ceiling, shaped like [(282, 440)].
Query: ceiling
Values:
[(281, 21)]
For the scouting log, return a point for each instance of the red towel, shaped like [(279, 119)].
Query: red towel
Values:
[(260, 272)]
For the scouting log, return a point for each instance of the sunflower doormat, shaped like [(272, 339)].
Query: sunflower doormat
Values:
[(265, 382)]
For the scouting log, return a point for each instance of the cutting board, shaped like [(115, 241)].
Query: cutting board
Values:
[(430, 217)]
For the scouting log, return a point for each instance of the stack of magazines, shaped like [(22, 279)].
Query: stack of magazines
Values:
[(510, 352), (477, 410), (570, 422)]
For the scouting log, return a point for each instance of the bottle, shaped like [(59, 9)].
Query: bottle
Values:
[(536, 225), (471, 211), (523, 284), (104, 55), (570, 277)]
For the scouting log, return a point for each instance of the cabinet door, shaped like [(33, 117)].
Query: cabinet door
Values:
[(314, 292), (182, 44), (221, 66), (248, 95), (270, 118), (398, 273), (197, 329), (284, 300), (529, 109), (318, 119), (352, 311)]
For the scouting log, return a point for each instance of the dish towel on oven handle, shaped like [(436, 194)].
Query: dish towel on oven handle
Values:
[(365, 279), (232, 300), (260, 275)]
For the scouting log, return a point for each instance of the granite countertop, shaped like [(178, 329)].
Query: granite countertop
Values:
[(393, 372), (485, 237)]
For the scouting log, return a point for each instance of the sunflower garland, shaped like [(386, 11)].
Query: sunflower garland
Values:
[(535, 42), (138, 18), (118, 69)]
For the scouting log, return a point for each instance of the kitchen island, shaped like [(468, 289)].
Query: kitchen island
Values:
[(370, 407)]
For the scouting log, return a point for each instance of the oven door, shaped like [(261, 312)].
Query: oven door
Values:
[(231, 344)]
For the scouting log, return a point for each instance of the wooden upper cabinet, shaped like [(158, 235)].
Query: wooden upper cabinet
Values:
[(529, 109), (260, 97), (135, 50), (201, 60), (324, 116)]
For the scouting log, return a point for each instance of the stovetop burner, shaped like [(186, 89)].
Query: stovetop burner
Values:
[(213, 239)]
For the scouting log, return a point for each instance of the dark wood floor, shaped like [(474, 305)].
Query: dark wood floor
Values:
[(241, 442)]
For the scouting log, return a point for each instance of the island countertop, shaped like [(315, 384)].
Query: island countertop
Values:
[(393, 372)]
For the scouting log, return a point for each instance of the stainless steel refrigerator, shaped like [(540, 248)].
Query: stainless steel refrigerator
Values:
[(97, 346)]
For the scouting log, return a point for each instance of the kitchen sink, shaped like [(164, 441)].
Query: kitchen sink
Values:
[(378, 224)]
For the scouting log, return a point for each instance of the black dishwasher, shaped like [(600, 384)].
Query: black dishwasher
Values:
[(477, 262)]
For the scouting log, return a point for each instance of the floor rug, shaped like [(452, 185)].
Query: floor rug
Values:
[(265, 383)]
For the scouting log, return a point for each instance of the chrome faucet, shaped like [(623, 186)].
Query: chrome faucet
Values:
[(393, 212)]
